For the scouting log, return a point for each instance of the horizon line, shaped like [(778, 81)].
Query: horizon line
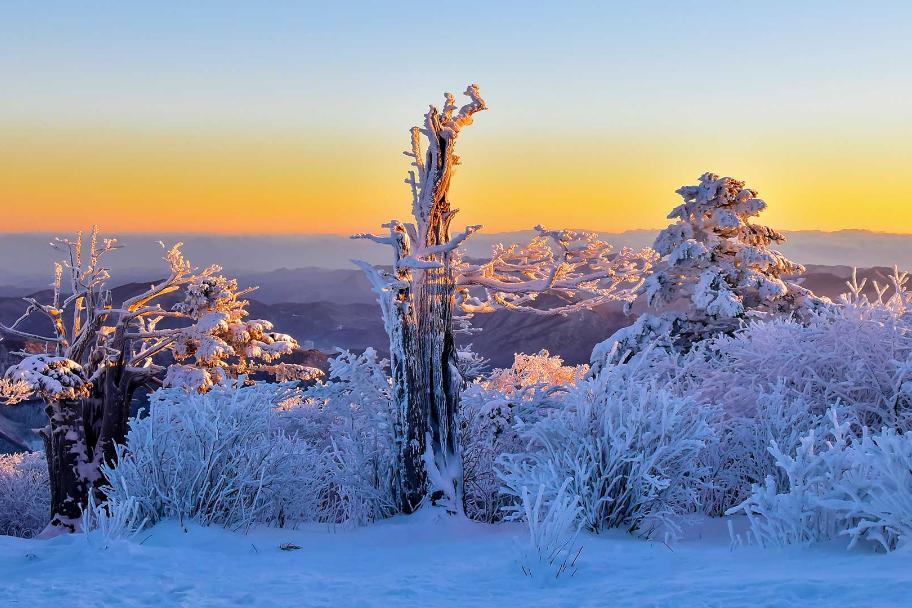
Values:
[(348, 235)]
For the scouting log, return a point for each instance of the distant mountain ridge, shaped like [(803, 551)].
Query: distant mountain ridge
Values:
[(26, 258)]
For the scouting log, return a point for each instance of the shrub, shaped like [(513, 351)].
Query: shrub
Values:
[(217, 458), (553, 532), (352, 418), (630, 453), (490, 410), (837, 483), (25, 497), (776, 379)]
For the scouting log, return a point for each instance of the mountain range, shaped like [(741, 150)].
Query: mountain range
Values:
[(26, 259)]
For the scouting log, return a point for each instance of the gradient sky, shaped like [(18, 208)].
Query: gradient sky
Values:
[(291, 117)]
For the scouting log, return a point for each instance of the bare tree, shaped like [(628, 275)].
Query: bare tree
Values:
[(97, 355), (432, 290)]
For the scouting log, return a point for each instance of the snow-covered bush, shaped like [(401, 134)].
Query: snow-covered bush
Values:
[(222, 457), (538, 371), (740, 457), (25, 498), (776, 379), (837, 483), (554, 527), (875, 491), (353, 417), (114, 519), (490, 410), (631, 452), (794, 514), (857, 354)]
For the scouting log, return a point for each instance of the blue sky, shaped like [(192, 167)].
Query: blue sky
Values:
[(314, 98), (622, 64)]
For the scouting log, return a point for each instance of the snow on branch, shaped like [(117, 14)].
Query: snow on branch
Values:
[(51, 377), (578, 265), (430, 181), (210, 327)]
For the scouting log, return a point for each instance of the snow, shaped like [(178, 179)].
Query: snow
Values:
[(430, 559)]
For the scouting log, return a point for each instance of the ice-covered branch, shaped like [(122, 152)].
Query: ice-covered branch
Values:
[(450, 245), (577, 265)]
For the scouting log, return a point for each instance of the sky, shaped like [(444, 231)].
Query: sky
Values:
[(274, 117)]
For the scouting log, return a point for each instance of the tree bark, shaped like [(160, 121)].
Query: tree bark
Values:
[(107, 415), (81, 435), (440, 385), (65, 448), (406, 374)]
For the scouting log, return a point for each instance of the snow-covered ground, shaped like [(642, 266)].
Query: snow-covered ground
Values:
[(431, 560)]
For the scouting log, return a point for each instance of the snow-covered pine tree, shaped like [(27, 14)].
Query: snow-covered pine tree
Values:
[(432, 288), (717, 269), (97, 354), (222, 343)]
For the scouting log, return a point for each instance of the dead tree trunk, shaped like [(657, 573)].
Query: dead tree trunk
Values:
[(107, 414), (426, 385), (81, 435), (441, 383), (431, 283), (65, 448), (417, 303), (413, 419)]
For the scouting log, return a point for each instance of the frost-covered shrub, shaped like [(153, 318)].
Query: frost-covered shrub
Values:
[(25, 496), (857, 355), (487, 421), (554, 528), (741, 457), (490, 410), (630, 452), (794, 514), (111, 520), (222, 457), (875, 490), (775, 380), (352, 417), (538, 371), (837, 483)]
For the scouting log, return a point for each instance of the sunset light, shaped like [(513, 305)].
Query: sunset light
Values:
[(596, 113), (488, 304)]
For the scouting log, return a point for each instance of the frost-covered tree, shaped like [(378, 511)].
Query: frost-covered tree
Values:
[(222, 343), (717, 269), (98, 353), (432, 287)]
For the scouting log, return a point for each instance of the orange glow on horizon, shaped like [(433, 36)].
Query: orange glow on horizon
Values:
[(56, 180)]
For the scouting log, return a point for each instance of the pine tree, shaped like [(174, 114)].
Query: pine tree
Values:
[(717, 270)]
